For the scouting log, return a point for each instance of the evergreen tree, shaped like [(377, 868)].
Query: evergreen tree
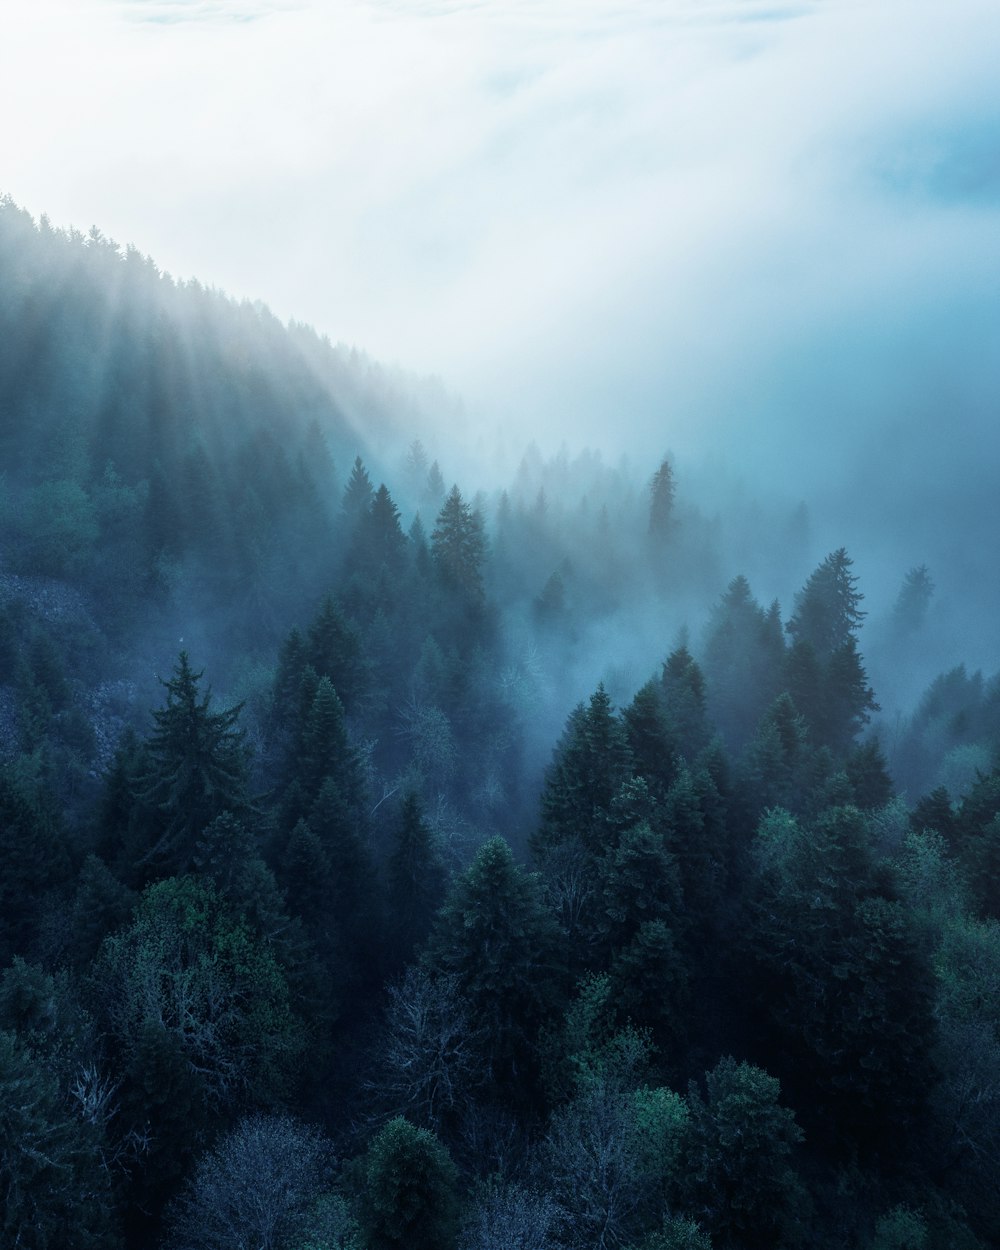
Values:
[(743, 662), (357, 494), (33, 862), (496, 937), (740, 1174), (650, 738), (825, 674), (661, 502), (458, 545), (589, 765), (913, 601), (683, 685), (828, 608), (334, 650), (416, 879), (197, 771), (54, 1191)]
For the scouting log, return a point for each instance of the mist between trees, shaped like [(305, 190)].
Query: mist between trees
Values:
[(571, 860)]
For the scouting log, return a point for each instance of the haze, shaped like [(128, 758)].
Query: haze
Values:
[(765, 236)]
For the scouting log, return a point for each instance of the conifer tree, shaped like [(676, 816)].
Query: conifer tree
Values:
[(197, 771), (458, 545), (661, 502), (416, 879), (496, 937), (825, 674), (590, 763), (683, 685), (357, 494)]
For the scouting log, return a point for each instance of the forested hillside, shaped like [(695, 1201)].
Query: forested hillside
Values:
[(384, 864)]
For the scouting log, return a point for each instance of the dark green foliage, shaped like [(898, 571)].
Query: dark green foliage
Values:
[(189, 984), (650, 738), (868, 773), (684, 694), (851, 988), (411, 1191), (34, 862), (740, 1165), (495, 936), (458, 545), (828, 608), (825, 674), (333, 649), (743, 662), (196, 771), (416, 880), (168, 471), (590, 763), (53, 1192), (775, 766)]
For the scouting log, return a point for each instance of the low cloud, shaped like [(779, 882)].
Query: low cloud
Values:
[(763, 233)]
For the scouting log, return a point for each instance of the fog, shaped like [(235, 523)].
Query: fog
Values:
[(764, 238)]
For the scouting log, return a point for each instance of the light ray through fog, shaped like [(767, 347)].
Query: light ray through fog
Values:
[(770, 228)]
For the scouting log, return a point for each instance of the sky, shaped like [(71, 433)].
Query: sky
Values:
[(756, 230)]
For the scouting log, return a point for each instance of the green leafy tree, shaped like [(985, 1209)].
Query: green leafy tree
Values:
[(411, 1191), (188, 970), (53, 1190), (740, 1173)]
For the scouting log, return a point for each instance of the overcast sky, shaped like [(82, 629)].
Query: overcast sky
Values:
[(761, 227)]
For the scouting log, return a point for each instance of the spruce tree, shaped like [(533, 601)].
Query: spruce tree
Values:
[(497, 938), (196, 771)]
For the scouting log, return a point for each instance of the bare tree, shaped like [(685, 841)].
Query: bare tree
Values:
[(510, 1217), (256, 1190), (427, 1060)]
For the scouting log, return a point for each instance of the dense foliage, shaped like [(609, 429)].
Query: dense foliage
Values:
[(363, 952)]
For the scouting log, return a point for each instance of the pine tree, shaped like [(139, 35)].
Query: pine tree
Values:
[(334, 649), (743, 662), (828, 608), (683, 685), (416, 879), (661, 502), (496, 937), (197, 771), (650, 738), (590, 763), (458, 545), (824, 673), (357, 494)]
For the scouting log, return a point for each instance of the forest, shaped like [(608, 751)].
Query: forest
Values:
[(394, 861)]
